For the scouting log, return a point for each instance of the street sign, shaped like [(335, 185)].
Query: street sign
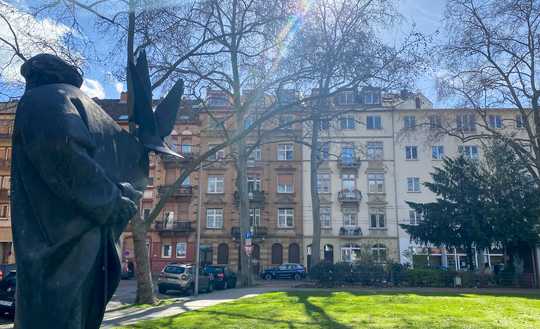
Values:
[(248, 235), (249, 250)]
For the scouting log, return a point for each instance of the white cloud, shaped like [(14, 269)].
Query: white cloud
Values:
[(93, 88), (119, 86), (33, 35)]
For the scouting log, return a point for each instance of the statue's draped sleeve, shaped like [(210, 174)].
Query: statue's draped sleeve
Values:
[(58, 144)]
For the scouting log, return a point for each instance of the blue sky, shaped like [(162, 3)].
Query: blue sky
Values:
[(425, 14)]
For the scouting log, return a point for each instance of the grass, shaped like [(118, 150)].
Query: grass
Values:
[(340, 310)]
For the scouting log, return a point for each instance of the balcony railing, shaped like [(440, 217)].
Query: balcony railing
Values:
[(350, 231), (346, 162), (253, 197), (258, 232), (177, 226), (182, 191), (350, 196)]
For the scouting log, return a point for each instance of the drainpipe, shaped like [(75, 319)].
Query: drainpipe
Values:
[(395, 185)]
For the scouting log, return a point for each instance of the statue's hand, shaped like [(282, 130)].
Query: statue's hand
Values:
[(130, 192), (126, 210)]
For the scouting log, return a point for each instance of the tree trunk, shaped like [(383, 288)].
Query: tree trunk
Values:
[(242, 187), (315, 201), (143, 274)]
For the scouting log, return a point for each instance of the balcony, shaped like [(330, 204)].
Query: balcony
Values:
[(258, 232), (182, 191), (349, 162), (350, 232), (257, 197), (170, 161), (350, 196), (177, 227)]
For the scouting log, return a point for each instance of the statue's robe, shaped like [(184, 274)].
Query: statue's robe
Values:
[(68, 156)]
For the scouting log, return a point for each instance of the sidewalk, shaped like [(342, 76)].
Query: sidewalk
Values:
[(127, 316)]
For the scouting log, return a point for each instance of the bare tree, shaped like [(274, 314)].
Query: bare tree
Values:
[(489, 60)]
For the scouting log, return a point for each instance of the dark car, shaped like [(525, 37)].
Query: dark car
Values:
[(7, 293), (285, 271), (223, 277), (181, 277)]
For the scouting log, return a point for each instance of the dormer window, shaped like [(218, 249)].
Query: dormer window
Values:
[(372, 97), (345, 97)]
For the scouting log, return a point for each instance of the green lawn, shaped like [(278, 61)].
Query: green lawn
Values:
[(362, 310)]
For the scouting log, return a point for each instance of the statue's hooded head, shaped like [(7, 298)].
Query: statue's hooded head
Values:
[(44, 69)]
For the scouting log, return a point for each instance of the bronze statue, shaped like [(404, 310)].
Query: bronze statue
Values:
[(75, 180)]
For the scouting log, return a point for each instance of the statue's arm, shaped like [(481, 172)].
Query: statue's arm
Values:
[(58, 144)]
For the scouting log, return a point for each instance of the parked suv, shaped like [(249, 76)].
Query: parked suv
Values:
[(223, 277), (285, 271), (181, 277)]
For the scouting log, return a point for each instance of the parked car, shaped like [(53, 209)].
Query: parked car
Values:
[(285, 271), (181, 277), (7, 293), (223, 277)]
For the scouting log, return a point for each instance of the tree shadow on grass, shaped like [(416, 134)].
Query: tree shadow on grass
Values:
[(318, 314)]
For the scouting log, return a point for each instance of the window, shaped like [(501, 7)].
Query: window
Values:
[(413, 184), (215, 184), (326, 217), (350, 218), (218, 100), (348, 182), (186, 182), (411, 153), (285, 152), (409, 122), (146, 212), (324, 124), (148, 194), (214, 218), (347, 122), (285, 183), (466, 122), (437, 152), (378, 252), (345, 97), (374, 122), (414, 217), (249, 120), (294, 253), (375, 151), (469, 151), (376, 183), (520, 121), (5, 182), (347, 153), (166, 251), (323, 183), (371, 97), (350, 252), (255, 216), (435, 121), (168, 218), (325, 151), (256, 154), (254, 183), (219, 155), (186, 148), (181, 250), (4, 211), (285, 217), (495, 121), (377, 218)]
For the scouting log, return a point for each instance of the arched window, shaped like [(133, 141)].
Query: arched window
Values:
[(277, 254), (294, 253), (350, 252), (379, 252), (223, 254)]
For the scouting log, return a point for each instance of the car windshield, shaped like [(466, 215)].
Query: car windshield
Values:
[(174, 269)]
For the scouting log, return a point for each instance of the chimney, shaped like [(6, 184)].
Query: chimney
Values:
[(123, 97)]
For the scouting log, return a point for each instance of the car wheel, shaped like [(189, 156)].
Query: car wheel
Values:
[(162, 290), (297, 277), (268, 277)]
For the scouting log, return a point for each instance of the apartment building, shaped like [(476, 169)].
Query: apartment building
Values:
[(377, 155), (7, 117)]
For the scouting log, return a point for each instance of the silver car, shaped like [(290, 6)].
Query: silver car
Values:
[(181, 277)]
